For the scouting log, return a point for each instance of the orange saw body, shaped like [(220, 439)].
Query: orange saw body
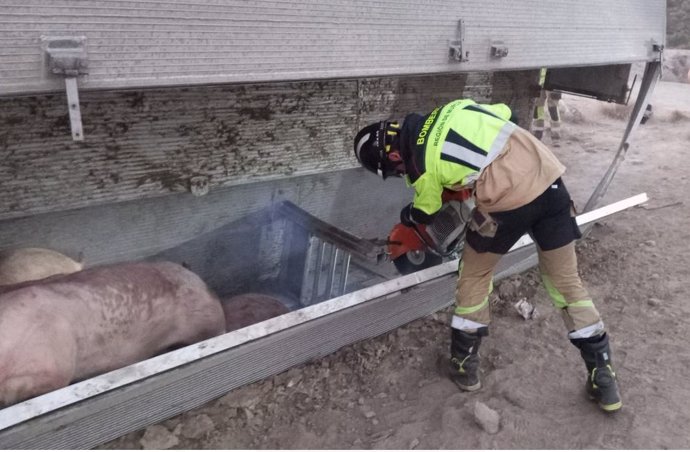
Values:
[(410, 248)]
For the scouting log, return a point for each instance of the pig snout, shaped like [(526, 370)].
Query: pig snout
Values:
[(247, 309), (31, 264)]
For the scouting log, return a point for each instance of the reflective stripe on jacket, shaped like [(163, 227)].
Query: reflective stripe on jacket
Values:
[(457, 141)]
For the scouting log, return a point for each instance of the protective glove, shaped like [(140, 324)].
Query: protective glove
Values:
[(406, 216)]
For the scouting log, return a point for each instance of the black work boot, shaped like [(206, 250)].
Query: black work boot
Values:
[(601, 379), (464, 358)]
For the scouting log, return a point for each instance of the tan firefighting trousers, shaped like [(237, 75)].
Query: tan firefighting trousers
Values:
[(560, 276)]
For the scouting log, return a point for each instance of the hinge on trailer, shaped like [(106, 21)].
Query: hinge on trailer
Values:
[(456, 51), (67, 57)]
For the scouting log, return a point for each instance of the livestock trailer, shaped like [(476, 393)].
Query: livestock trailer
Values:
[(167, 129)]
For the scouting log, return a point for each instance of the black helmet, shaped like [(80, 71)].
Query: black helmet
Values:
[(372, 145)]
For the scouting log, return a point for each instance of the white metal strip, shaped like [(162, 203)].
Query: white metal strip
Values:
[(594, 215), (52, 401), (73, 107)]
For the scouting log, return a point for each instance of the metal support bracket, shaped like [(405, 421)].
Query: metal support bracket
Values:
[(73, 107), (499, 49), (658, 49), (67, 57), (651, 76), (456, 52)]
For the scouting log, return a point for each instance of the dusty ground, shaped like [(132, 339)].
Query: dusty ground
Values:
[(386, 393)]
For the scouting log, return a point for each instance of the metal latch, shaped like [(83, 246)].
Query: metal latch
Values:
[(499, 49), (67, 57), (456, 51)]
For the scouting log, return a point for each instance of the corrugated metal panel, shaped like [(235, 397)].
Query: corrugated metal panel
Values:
[(151, 142), (167, 42)]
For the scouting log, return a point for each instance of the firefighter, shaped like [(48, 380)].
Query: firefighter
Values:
[(647, 115), (548, 102), (517, 188)]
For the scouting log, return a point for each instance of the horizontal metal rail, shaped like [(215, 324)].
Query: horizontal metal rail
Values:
[(593, 215)]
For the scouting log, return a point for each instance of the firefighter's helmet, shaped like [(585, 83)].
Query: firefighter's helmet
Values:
[(372, 145)]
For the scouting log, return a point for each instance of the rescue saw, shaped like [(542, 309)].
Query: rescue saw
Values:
[(422, 246)]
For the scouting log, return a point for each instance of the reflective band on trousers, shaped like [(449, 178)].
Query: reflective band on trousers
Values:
[(559, 299), (588, 331), (474, 158), (460, 310), (459, 323), (581, 304)]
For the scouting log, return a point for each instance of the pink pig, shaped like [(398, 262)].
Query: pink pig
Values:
[(246, 309), (30, 264), (67, 328)]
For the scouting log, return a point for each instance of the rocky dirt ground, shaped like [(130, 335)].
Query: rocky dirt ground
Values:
[(386, 393)]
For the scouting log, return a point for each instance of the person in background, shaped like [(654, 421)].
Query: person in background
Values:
[(548, 102), (647, 115)]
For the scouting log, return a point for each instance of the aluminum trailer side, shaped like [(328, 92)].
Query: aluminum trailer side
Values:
[(113, 111)]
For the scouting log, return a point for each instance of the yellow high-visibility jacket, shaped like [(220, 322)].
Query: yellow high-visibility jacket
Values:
[(453, 145)]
